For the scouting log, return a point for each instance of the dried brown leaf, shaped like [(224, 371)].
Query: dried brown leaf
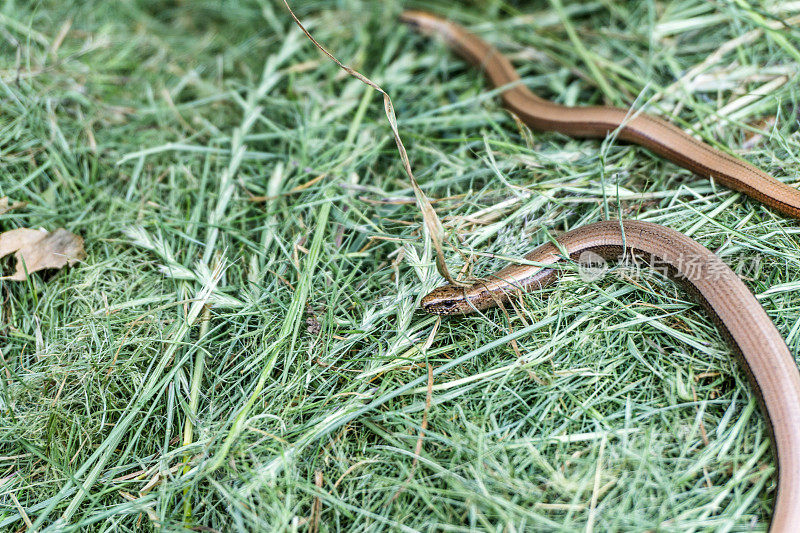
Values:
[(39, 249)]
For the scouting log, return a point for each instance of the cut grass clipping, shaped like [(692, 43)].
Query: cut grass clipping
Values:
[(241, 347)]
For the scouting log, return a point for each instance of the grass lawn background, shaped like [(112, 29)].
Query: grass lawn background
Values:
[(242, 349)]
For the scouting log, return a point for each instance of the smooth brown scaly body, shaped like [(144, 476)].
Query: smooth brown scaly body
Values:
[(646, 130), (766, 359)]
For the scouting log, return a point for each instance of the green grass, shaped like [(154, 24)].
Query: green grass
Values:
[(236, 190)]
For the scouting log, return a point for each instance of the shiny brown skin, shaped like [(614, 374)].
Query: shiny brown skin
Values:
[(646, 130), (770, 367), (765, 357)]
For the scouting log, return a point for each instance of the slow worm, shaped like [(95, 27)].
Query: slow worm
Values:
[(646, 130), (769, 365)]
